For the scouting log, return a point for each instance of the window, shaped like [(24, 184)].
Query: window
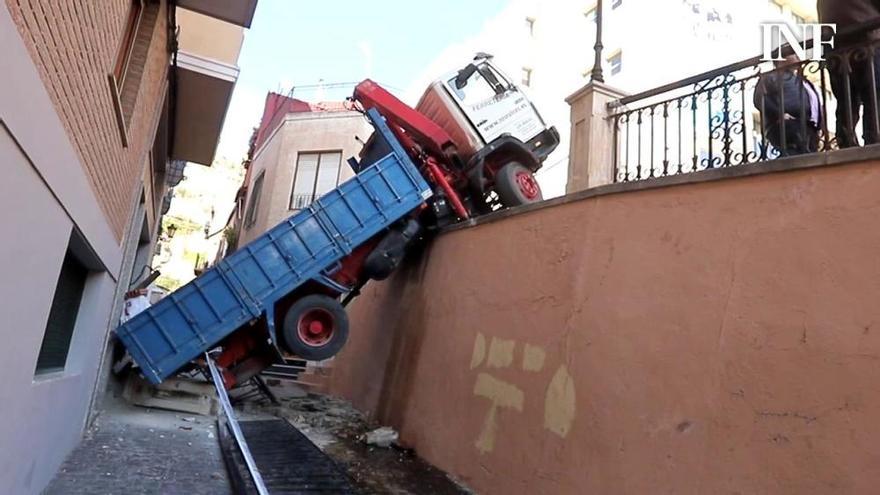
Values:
[(254, 202), (590, 14), (316, 174), (616, 62), (127, 73), (616, 3), (530, 26), (62, 315), (135, 12), (526, 76)]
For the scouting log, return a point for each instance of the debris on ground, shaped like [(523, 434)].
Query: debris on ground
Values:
[(381, 437), (182, 394), (339, 430)]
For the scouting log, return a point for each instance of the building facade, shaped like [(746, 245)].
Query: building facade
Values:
[(547, 47), (299, 153), (95, 104)]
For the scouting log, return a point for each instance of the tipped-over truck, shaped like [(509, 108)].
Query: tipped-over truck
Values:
[(471, 145)]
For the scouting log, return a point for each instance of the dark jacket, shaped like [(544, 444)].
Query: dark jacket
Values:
[(848, 13), (794, 95)]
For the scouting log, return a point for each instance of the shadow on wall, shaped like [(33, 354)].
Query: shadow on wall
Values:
[(407, 334), (382, 383)]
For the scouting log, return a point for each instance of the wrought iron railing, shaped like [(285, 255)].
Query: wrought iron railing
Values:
[(751, 111)]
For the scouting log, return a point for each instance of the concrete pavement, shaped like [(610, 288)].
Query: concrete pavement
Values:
[(133, 450)]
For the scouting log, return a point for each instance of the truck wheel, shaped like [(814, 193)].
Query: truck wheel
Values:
[(516, 185), (315, 327)]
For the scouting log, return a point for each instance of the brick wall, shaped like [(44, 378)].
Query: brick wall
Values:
[(74, 46)]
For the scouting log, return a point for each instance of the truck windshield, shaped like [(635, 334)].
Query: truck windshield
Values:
[(476, 90)]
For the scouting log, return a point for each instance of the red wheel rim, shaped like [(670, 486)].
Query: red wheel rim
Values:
[(527, 184), (315, 327)]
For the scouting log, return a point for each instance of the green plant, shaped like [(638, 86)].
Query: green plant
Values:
[(230, 234)]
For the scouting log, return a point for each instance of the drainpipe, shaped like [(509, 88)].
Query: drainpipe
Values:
[(173, 32)]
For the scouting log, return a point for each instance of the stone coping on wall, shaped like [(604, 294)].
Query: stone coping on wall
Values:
[(789, 164)]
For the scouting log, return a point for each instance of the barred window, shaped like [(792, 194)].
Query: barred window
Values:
[(62, 315), (316, 174)]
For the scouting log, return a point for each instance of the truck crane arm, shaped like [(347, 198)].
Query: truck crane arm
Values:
[(424, 130)]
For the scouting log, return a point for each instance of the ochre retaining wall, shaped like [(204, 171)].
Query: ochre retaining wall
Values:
[(719, 337)]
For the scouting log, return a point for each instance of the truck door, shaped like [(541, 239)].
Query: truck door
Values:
[(493, 105)]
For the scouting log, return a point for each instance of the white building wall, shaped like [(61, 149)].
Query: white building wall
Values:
[(44, 196)]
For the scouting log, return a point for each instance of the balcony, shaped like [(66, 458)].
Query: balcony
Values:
[(745, 113), (237, 12), (300, 201), (209, 42)]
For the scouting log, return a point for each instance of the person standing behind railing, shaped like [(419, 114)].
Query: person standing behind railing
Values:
[(790, 109), (853, 71)]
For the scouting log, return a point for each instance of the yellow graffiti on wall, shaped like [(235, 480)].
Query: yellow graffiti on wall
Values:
[(559, 398), (559, 406), (502, 395)]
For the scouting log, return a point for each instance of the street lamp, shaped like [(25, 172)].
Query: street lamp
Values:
[(596, 73)]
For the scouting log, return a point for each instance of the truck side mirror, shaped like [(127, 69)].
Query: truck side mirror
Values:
[(463, 75)]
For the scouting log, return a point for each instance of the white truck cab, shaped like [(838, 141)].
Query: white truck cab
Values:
[(493, 124)]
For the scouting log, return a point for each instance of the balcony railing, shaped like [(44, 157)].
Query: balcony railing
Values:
[(300, 201), (751, 111)]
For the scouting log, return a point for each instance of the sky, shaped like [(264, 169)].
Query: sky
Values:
[(301, 43)]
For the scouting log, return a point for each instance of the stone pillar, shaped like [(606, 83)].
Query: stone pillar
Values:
[(591, 156)]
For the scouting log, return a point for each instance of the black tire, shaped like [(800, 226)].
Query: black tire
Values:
[(509, 184), (300, 339)]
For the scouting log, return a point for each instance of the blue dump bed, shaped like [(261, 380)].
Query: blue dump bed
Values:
[(238, 289)]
